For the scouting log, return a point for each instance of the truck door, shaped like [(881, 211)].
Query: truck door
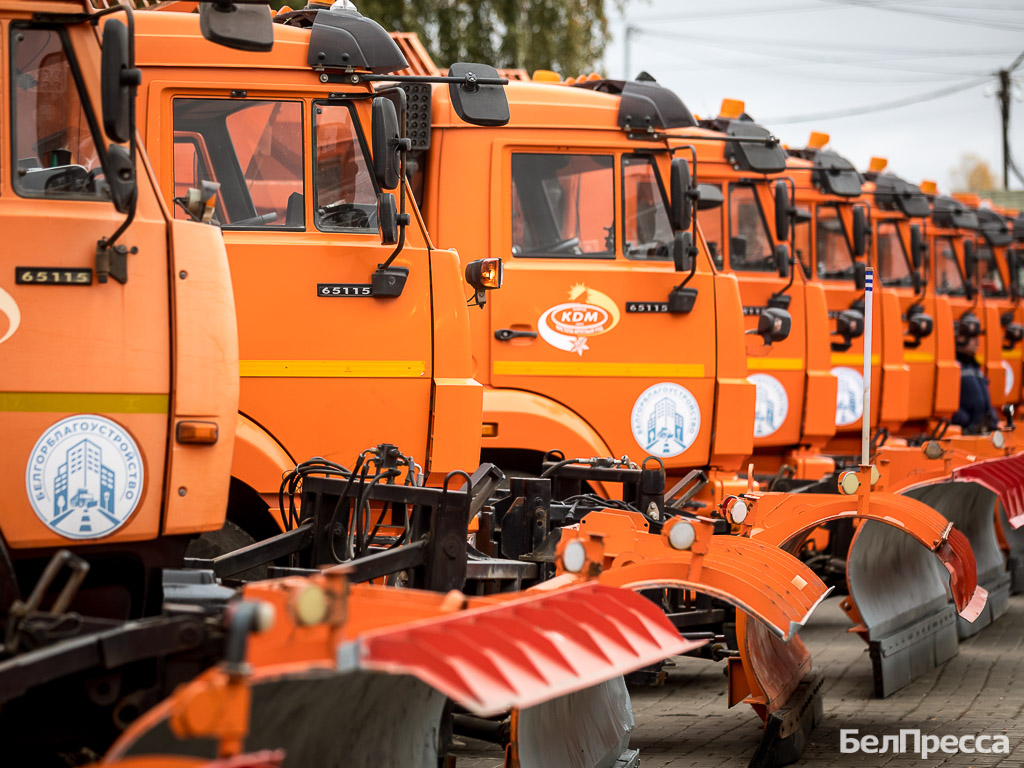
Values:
[(85, 380), (582, 318), (327, 369)]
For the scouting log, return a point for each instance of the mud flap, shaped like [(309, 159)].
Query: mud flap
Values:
[(787, 729), (969, 506), (353, 720), (899, 589), (586, 729)]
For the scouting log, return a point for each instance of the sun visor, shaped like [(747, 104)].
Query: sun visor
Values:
[(753, 155), (950, 213), (994, 228), (894, 193), (835, 174), (649, 106), (349, 40)]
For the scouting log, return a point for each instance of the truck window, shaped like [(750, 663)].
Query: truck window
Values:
[(54, 152), (802, 245), (892, 259), (190, 152), (750, 244), (949, 281), (647, 231), (711, 225), (346, 196), (256, 152), (562, 206), (835, 259), (989, 277)]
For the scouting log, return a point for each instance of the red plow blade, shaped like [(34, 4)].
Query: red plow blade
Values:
[(1004, 476)]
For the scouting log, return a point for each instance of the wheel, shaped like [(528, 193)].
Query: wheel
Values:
[(228, 539)]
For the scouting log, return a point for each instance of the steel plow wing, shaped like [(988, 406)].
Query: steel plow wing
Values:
[(971, 507), (353, 675)]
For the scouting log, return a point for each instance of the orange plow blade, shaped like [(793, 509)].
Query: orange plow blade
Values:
[(359, 676)]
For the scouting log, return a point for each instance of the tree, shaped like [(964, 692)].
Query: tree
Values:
[(972, 174), (568, 36)]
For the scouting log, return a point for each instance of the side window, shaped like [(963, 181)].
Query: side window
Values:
[(54, 152), (835, 259), (710, 222), (892, 259), (192, 166), (647, 231), (802, 245), (750, 244), (948, 279), (254, 149), (563, 205), (989, 277), (346, 196)]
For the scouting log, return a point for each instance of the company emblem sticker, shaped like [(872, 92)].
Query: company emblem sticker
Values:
[(9, 308), (1009, 378), (772, 404), (587, 313), (665, 419), (849, 397), (84, 477)]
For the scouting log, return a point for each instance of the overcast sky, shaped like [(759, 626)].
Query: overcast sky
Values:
[(791, 59)]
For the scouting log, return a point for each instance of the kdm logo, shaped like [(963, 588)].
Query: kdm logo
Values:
[(587, 313)]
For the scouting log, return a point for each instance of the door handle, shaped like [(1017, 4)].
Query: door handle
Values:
[(507, 334)]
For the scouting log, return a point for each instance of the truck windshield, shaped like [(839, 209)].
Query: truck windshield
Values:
[(647, 231), (835, 259), (562, 205), (750, 244), (949, 281), (989, 277), (892, 258), (254, 149)]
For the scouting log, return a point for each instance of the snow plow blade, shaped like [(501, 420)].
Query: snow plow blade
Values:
[(1003, 476), (970, 505), (353, 675), (1011, 541), (756, 578), (899, 541)]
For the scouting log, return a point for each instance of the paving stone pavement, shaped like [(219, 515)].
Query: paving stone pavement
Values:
[(686, 724)]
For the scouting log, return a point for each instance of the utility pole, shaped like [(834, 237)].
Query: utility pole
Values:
[(1004, 111)]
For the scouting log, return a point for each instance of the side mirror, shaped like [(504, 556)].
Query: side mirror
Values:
[(200, 202), (970, 260), (120, 176), (860, 231), (916, 246), (474, 103), (860, 271), (120, 79), (387, 143), (709, 197), (683, 251), (782, 260), (919, 326), (1011, 266), (681, 187), (240, 26), (915, 281), (484, 275), (387, 218), (774, 324), (782, 206)]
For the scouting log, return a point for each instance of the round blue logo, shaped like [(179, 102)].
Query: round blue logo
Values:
[(84, 477), (772, 404), (849, 396), (665, 419)]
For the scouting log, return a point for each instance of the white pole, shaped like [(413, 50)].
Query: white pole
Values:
[(865, 428)]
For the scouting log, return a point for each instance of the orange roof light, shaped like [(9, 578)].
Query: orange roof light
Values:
[(817, 140), (969, 199), (929, 187), (732, 109), (877, 164), (546, 76)]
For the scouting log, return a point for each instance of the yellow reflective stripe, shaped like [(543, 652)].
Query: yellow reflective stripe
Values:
[(651, 370), (332, 369), (82, 402), (775, 364), (853, 358), (1011, 354), (918, 357)]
